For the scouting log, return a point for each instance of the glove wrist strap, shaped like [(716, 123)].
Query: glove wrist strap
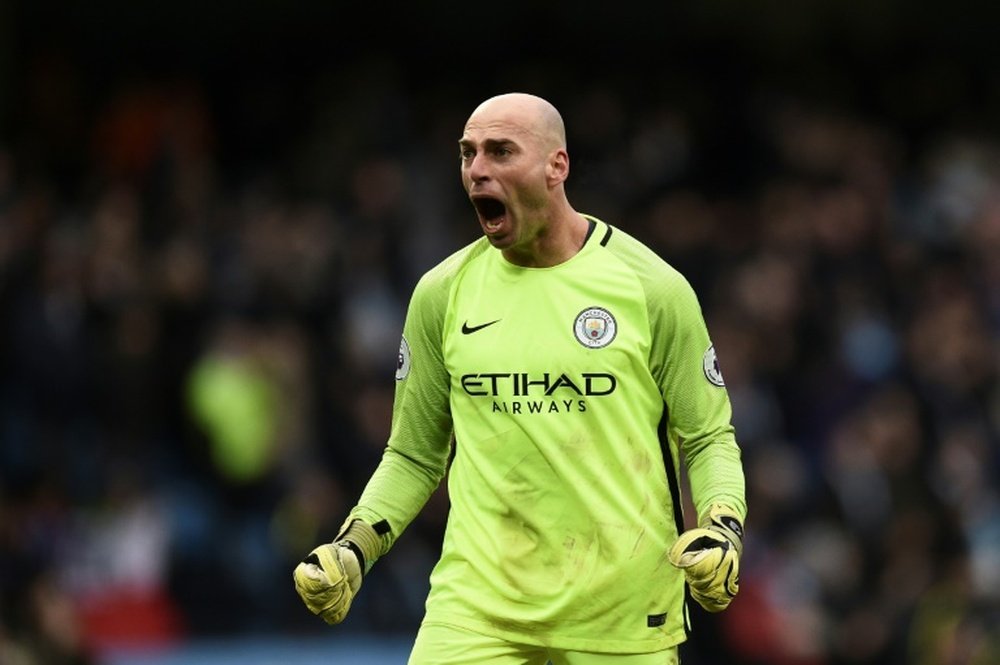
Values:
[(727, 520), (363, 540)]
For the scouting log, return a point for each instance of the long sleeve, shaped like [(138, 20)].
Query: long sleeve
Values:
[(697, 402), (416, 456)]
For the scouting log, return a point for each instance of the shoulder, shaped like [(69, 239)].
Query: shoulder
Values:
[(654, 273), (672, 305), (436, 282)]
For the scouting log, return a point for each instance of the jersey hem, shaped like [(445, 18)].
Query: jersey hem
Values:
[(592, 645)]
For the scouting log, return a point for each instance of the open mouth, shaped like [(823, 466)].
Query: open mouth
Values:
[(491, 211)]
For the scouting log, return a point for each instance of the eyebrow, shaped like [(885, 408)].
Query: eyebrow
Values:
[(487, 144)]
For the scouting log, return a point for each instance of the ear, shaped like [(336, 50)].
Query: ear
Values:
[(557, 168)]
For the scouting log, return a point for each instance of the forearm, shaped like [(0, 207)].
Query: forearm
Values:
[(397, 491), (715, 472)]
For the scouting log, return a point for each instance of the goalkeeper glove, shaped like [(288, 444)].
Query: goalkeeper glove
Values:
[(330, 577), (710, 557)]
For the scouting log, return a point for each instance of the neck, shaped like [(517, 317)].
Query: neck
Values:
[(557, 242)]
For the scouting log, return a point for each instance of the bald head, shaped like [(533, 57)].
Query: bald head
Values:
[(514, 168), (533, 115)]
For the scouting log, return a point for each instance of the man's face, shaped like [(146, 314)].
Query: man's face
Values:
[(504, 174)]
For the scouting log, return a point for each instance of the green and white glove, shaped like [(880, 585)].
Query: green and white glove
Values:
[(330, 577), (710, 557)]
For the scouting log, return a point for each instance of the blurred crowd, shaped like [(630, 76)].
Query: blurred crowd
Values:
[(197, 358)]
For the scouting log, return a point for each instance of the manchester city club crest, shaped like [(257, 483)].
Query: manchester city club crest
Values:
[(595, 327)]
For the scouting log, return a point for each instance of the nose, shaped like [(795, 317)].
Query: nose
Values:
[(477, 168)]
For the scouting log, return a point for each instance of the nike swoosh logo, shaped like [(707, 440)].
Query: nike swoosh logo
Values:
[(468, 330)]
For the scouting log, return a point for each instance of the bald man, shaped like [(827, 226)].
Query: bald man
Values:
[(564, 369)]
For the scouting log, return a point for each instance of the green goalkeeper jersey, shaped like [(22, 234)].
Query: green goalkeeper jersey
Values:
[(567, 395)]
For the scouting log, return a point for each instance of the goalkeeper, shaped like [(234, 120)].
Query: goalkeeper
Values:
[(573, 370)]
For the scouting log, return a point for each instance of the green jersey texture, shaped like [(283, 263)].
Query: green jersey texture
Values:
[(563, 399)]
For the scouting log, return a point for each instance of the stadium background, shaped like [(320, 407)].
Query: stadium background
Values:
[(211, 215)]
